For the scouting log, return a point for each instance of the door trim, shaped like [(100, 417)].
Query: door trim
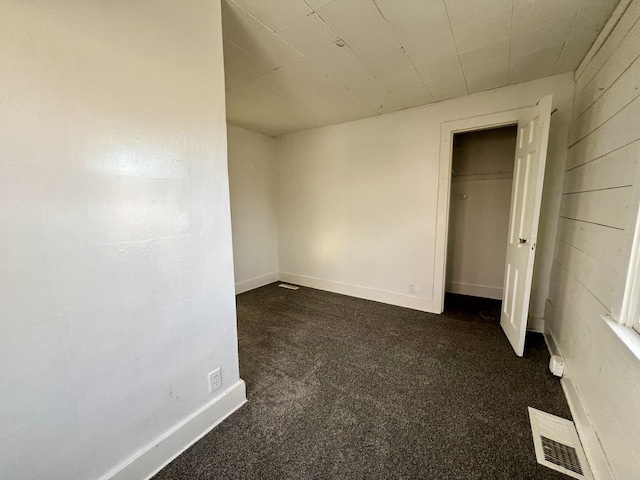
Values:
[(447, 130)]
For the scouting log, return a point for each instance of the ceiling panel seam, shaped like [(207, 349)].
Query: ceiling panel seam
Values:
[(287, 69), (316, 10), (564, 44), (373, 75), (464, 76), (373, 108), (294, 47), (403, 51), (510, 44)]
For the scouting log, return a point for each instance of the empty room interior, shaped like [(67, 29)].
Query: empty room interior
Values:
[(305, 239)]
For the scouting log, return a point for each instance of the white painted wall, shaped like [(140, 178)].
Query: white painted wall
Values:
[(116, 269), (252, 182), (357, 201), (599, 205), (479, 211), (478, 228)]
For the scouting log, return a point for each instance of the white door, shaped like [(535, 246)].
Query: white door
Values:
[(526, 195)]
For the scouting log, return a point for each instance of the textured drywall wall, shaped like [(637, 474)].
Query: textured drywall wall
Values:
[(116, 271), (252, 182)]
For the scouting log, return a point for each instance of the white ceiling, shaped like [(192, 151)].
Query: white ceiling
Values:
[(291, 65)]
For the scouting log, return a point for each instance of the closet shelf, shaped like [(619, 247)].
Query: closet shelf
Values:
[(479, 177)]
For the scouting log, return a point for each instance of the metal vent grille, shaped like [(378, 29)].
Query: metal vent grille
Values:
[(557, 444), (561, 454)]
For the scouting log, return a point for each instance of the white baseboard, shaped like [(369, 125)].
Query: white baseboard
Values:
[(398, 299), (483, 291), (535, 324), (588, 437), (155, 456), (257, 282)]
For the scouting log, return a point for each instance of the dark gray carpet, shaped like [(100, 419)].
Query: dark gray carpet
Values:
[(343, 388)]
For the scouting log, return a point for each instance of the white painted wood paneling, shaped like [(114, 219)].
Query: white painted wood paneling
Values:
[(595, 59), (607, 245), (605, 373), (597, 277), (624, 91), (621, 94), (581, 36), (609, 171), (595, 231), (613, 134), (619, 61), (604, 207)]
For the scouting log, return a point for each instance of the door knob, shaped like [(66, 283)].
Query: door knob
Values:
[(522, 240)]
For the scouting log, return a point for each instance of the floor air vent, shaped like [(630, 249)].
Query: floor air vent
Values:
[(557, 444), (290, 287)]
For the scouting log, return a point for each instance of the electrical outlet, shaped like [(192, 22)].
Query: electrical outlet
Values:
[(412, 288), (215, 380)]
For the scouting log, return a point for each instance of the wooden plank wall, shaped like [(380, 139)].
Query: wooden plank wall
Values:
[(597, 217)]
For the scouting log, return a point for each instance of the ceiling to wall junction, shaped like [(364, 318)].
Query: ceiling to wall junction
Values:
[(292, 65)]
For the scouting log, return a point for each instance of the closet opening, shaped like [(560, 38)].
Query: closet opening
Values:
[(479, 206)]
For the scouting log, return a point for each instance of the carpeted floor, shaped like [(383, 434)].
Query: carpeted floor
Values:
[(343, 388)]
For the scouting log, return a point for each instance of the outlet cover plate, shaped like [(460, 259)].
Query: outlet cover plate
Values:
[(215, 380)]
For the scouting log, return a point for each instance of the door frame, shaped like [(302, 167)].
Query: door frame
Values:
[(447, 131)]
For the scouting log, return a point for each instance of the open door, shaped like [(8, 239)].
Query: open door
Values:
[(526, 196)]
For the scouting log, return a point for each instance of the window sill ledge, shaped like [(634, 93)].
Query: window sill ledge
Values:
[(627, 335)]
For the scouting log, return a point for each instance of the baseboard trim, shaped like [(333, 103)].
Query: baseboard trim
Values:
[(535, 324), (400, 300), (473, 290), (588, 437), (257, 282), (155, 456)]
